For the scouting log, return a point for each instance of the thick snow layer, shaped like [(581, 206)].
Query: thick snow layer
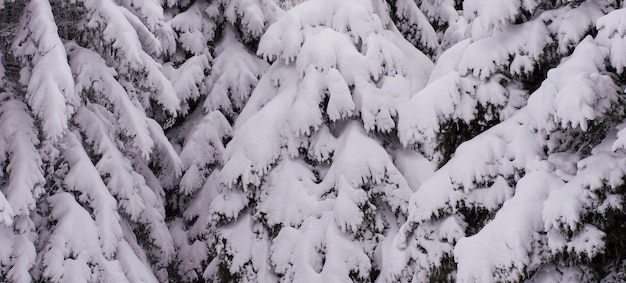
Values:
[(419, 120), (71, 249), (503, 250), (556, 274), (51, 96), (576, 92), (188, 79), (149, 12), (413, 19), (136, 199), (119, 33), (290, 195), (358, 160), (93, 75), (24, 167), (194, 28), (557, 189), (191, 253), (565, 205), (318, 251), (413, 166), (84, 179), (149, 42), (248, 249), (612, 34), (17, 253), (257, 142), (571, 24), (488, 18), (253, 16), (484, 56), (203, 148), (235, 73)]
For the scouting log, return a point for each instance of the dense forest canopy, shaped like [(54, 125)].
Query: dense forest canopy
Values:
[(312, 141)]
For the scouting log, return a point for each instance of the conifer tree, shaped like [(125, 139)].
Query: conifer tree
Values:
[(81, 191), (306, 141), (308, 187), (521, 200), (489, 76), (214, 69)]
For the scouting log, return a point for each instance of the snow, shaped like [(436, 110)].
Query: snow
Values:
[(285, 121), (571, 25), (116, 29), (434, 192), (442, 11), (449, 60), (358, 160), (492, 197), (346, 211), (419, 119), (256, 143), (318, 251), (290, 195), (136, 200), (314, 156), (188, 79), (322, 145), (228, 204), (192, 252), (202, 149), (575, 92), (549, 202), (25, 175), (248, 251), (413, 166), (566, 204), (612, 34), (50, 95), (150, 12), (235, 73), (194, 27), (435, 241), (305, 115), (112, 163), (500, 251), (22, 259), (92, 74), (6, 211), (148, 40), (321, 57), (340, 103), (492, 18), (134, 269), (71, 249), (84, 179), (589, 242), (555, 274), (252, 16), (484, 56), (198, 208), (414, 16), (120, 35)]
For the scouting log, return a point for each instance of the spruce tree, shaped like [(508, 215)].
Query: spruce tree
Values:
[(519, 199), (82, 91), (320, 140), (214, 69), (308, 187)]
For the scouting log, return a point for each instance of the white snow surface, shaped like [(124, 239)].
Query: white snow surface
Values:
[(50, 95)]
